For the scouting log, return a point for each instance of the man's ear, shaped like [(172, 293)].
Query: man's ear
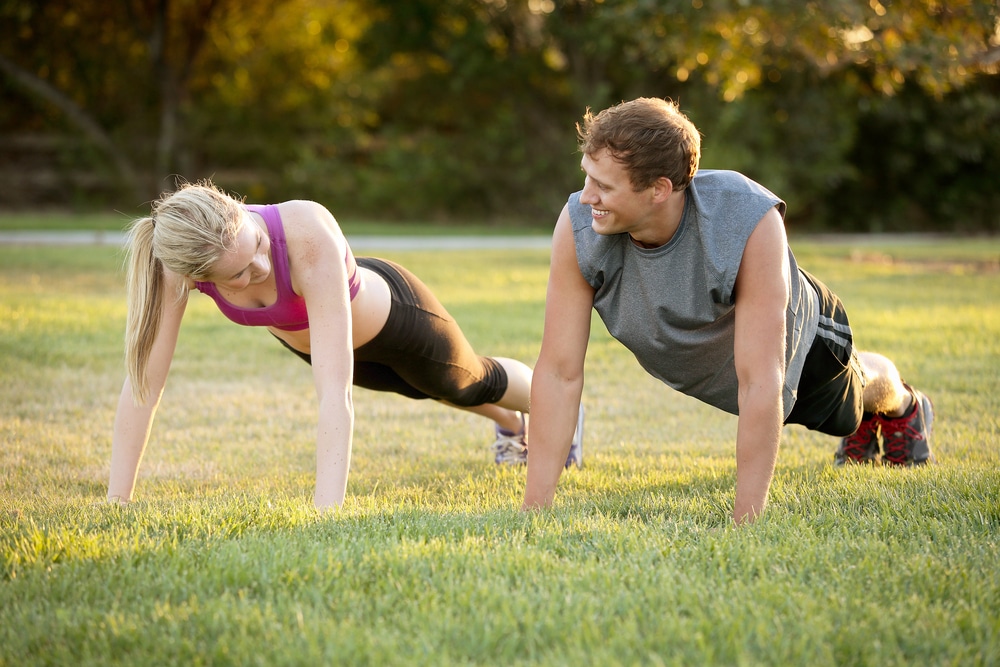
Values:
[(663, 187)]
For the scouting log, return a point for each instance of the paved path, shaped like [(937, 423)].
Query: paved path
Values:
[(357, 242)]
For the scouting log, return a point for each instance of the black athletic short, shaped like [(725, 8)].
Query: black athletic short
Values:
[(832, 383), (421, 351)]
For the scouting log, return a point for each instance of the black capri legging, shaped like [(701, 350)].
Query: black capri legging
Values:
[(421, 351)]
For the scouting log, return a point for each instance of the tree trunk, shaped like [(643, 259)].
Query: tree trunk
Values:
[(79, 118)]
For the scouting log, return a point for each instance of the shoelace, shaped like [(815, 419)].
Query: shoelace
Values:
[(857, 445), (508, 444), (897, 441)]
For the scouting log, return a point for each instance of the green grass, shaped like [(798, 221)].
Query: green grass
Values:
[(222, 560), (64, 222)]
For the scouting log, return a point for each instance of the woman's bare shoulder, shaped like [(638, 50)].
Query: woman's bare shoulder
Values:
[(304, 209), (311, 232), (305, 219)]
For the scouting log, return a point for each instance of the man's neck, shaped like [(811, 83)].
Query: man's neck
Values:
[(665, 225)]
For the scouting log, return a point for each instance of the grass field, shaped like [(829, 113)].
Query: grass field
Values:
[(222, 560)]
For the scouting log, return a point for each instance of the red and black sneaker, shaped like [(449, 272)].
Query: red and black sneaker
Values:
[(863, 446), (906, 440)]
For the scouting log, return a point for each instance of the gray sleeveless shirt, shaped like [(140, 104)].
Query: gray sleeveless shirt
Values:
[(673, 306)]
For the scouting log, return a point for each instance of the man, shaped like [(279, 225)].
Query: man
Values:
[(691, 270)]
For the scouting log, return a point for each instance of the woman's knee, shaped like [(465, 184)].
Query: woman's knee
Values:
[(489, 387)]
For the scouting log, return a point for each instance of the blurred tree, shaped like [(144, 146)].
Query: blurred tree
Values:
[(153, 82), (778, 86), (113, 69), (50, 74), (470, 120), (465, 108), (930, 164), (283, 104), (738, 44)]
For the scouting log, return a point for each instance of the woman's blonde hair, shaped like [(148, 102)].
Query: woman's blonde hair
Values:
[(187, 233)]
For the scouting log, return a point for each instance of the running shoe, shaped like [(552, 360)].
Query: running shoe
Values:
[(863, 446), (906, 440), (510, 447)]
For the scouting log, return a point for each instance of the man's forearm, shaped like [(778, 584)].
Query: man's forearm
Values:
[(757, 438)]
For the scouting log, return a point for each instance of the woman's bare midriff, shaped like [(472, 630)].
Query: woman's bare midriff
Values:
[(369, 313)]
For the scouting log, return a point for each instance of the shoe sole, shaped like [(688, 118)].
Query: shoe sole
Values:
[(928, 409)]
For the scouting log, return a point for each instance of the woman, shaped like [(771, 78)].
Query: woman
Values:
[(288, 267)]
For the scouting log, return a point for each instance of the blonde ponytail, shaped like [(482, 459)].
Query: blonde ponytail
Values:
[(187, 233), (144, 284)]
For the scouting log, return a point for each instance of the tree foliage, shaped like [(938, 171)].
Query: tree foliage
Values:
[(465, 108)]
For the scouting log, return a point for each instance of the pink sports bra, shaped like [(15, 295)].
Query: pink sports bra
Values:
[(289, 311)]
